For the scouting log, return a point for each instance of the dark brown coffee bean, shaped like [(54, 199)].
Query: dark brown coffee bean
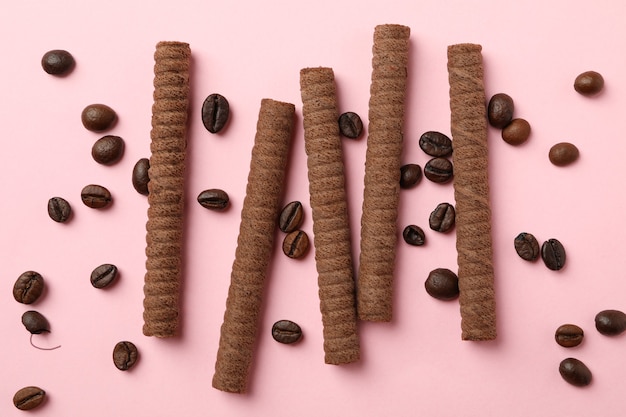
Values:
[(611, 322), (439, 170), (410, 175), (98, 117), (35, 322), (28, 287), (59, 209), (526, 246), (589, 83), (414, 235), (500, 110), (96, 196), (569, 335), (108, 149), (215, 112), (442, 218), (442, 284), (286, 331), (296, 244), (140, 176), (575, 372), (213, 199), (28, 398), (350, 125), (125, 355), (103, 276), (563, 154), (291, 217), (553, 254), (516, 132), (57, 62), (435, 144)]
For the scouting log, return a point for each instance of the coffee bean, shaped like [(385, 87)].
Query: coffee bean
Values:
[(140, 176), (28, 287), (410, 175), (589, 83), (575, 372), (500, 110), (611, 322), (414, 235), (103, 276), (35, 322), (442, 218), (296, 244), (125, 355), (98, 117), (96, 196), (215, 112), (108, 149), (350, 125), (526, 246), (213, 199), (442, 284), (439, 170), (286, 331), (435, 144), (563, 154), (57, 62), (291, 217), (59, 209), (553, 254), (516, 132), (28, 398), (569, 335)]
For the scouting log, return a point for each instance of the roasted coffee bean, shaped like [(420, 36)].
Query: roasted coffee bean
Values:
[(286, 331), (553, 254), (28, 398), (103, 275), (414, 235), (108, 149), (35, 322), (140, 176), (291, 217), (350, 125), (125, 355), (500, 110), (213, 199), (296, 244), (569, 335), (439, 170), (59, 209), (442, 218), (442, 284), (589, 83), (96, 196), (563, 154), (215, 112), (57, 62), (435, 144), (526, 246), (516, 132), (28, 287), (611, 322), (410, 175), (575, 372), (98, 117)]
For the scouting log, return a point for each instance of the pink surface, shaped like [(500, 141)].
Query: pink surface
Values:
[(415, 365)]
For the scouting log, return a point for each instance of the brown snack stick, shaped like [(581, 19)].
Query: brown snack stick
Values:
[(164, 228), (382, 172), (471, 192), (259, 217), (331, 230)]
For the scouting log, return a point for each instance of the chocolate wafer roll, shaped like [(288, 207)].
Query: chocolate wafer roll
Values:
[(471, 192), (164, 228), (382, 172), (259, 217), (331, 230)]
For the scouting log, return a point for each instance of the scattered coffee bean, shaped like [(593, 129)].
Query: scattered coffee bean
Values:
[(98, 117), (296, 244), (140, 176), (28, 287), (589, 83), (569, 335), (215, 112), (563, 154), (414, 235), (350, 125), (108, 149), (516, 132), (103, 276), (291, 217), (526, 246), (410, 175), (553, 254), (59, 209), (57, 62), (575, 372), (286, 331), (435, 144), (500, 110), (96, 196), (439, 170), (213, 199), (442, 284), (611, 322), (442, 218), (28, 398), (35, 322), (125, 355)]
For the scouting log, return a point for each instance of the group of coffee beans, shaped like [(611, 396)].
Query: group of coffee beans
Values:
[(552, 250)]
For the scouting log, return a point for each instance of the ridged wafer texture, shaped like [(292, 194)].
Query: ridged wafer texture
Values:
[(471, 192), (382, 172), (331, 229), (259, 217)]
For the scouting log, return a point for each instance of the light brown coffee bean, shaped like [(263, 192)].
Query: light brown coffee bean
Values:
[(563, 153), (28, 398), (589, 83), (96, 196), (296, 244), (516, 132), (291, 217), (569, 335)]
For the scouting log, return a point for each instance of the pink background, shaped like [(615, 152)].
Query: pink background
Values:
[(415, 365)]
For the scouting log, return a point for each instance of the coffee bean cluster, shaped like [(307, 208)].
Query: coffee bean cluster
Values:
[(296, 241), (500, 115), (552, 250)]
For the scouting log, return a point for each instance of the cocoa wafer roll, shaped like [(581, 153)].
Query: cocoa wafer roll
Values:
[(164, 228), (331, 230), (259, 216), (382, 172), (471, 192)]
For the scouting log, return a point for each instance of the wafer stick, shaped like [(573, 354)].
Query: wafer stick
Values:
[(471, 192), (259, 216), (164, 228), (331, 230), (382, 172)]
